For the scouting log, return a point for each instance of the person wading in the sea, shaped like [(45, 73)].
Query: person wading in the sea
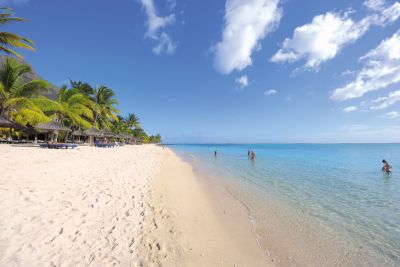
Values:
[(386, 167), (253, 155)]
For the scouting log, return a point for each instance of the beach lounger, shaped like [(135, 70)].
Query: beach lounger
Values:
[(58, 146), (108, 145)]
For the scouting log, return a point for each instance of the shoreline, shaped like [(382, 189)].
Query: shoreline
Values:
[(289, 236), (209, 227)]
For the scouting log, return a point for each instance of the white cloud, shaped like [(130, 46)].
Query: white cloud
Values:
[(386, 101), (171, 4), (242, 81), (347, 73), (374, 4), (165, 45), (382, 68), (155, 24), (270, 92), (350, 109), (385, 16), (247, 22), (320, 40), (288, 99), (392, 115), (323, 38)]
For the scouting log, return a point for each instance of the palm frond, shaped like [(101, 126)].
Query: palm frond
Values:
[(30, 116), (33, 87), (14, 40), (46, 105)]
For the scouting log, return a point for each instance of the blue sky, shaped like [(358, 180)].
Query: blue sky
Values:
[(232, 70)]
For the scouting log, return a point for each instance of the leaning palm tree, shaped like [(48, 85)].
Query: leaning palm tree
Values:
[(21, 100), (8, 40), (104, 109), (72, 108)]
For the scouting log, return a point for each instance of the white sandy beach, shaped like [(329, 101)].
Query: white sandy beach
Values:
[(126, 206)]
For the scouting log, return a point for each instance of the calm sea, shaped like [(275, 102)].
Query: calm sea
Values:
[(338, 187)]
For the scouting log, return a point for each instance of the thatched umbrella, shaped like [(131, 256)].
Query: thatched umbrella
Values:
[(107, 133), (78, 133), (138, 141), (5, 123), (52, 127), (28, 130), (127, 137), (93, 132)]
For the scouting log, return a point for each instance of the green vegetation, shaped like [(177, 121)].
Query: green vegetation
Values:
[(78, 106), (9, 41), (22, 100)]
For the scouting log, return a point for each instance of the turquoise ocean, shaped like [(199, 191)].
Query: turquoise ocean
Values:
[(339, 188)]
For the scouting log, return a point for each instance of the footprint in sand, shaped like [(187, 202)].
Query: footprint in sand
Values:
[(66, 204)]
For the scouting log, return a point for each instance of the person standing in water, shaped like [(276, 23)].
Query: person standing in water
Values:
[(253, 155), (215, 153), (386, 167), (248, 153)]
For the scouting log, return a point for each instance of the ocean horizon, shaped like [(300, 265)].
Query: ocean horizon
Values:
[(333, 195)]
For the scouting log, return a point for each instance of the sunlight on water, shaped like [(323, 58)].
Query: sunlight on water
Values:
[(340, 185)]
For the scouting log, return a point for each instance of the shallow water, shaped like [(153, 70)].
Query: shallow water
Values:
[(340, 187)]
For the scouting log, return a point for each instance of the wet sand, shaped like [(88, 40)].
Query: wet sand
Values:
[(197, 229)]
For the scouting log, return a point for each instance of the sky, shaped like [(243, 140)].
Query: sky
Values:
[(230, 71)]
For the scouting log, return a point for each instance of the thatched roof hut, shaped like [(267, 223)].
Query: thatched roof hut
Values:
[(27, 129), (125, 136), (5, 123), (78, 132), (107, 133), (93, 132), (52, 126)]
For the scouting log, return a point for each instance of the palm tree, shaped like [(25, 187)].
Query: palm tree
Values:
[(8, 40), (84, 88), (73, 108), (132, 120), (104, 109), (21, 100), (120, 126), (155, 138), (139, 133)]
